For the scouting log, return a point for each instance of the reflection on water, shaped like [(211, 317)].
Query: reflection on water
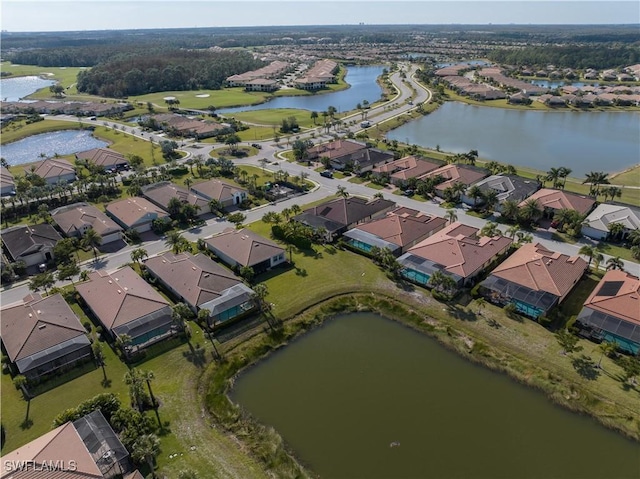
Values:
[(14, 89)]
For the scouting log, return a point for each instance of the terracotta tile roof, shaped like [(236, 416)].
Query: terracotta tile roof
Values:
[(407, 167), (26, 240), (560, 200), (132, 210), (455, 174), (540, 269), (63, 444), (348, 211), (52, 168), (336, 149), (403, 229), (120, 297), (216, 190), (458, 250), (617, 294), (161, 194), (74, 217), (37, 325), (244, 246), (103, 157), (198, 279)]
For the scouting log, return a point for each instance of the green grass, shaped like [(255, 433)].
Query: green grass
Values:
[(224, 98), (131, 145), (375, 186), (225, 151), (616, 250), (357, 180), (255, 133), (630, 177), (572, 305), (563, 238), (65, 76), (19, 130), (274, 117)]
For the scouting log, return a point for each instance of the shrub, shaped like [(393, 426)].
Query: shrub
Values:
[(107, 403)]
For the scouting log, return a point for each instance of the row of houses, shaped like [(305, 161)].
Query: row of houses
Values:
[(589, 99), (65, 108), (180, 125), (262, 79), (533, 278), (315, 78)]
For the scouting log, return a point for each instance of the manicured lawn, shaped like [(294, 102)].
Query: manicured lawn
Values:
[(616, 250), (256, 133), (19, 130), (357, 180), (226, 152), (224, 98), (573, 303), (131, 145), (563, 238), (274, 117), (631, 177), (65, 76)]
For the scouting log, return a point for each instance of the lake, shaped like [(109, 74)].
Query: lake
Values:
[(65, 142), (582, 141), (13, 89), (363, 86), (557, 84), (341, 395)]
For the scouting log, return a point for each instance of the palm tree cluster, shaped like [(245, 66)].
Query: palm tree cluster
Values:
[(182, 211), (595, 180), (634, 239), (177, 242), (496, 168), (385, 258), (558, 176), (487, 199), (569, 221), (463, 158), (443, 284)]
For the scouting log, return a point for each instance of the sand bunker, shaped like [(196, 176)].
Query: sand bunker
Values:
[(169, 98), (203, 95)]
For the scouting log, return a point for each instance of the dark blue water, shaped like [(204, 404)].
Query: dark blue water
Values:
[(363, 86), (582, 141), (64, 142), (556, 84), (13, 89)]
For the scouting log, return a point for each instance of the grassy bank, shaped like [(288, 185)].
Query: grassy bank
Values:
[(274, 117), (629, 177), (20, 129), (227, 97)]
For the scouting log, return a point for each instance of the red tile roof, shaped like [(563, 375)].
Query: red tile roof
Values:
[(455, 174), (402, 229), (624, 303), (561, 200)]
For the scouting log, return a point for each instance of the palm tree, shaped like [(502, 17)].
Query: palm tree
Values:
[(146, 448), (563, 172), (92, 240), (216, 207), (512, 231), (530, 211), (510, 210), (598, 258), (481, 303), (474, 193), (490, 229), (148, 376), (134, 380), (98, 355), (595, 179), (177, 242), (123, 341), (588, 251), (615, 263), (314, 116), (174, 207), (606, 348), (342, 191), (138, 254), (552, 175), (490, 200), (616, 230), (451, 216), (180, 313), (523, 238)]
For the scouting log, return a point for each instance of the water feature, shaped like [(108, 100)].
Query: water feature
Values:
[(363, 86), (582, 141), (367, 397), (14, 89), (557, 84), (65, 142)]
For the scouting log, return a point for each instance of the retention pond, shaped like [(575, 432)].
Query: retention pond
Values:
[(366, 397)]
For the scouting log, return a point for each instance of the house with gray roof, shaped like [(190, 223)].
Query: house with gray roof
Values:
[(31, 244), (136, 213), (507, 187), (105, 158), (43, 336), (74, 221), (160, 194), (596, 225), (125, 304), (54, 170), (226, 193), (201, 283), (7, 184), (238, 248)]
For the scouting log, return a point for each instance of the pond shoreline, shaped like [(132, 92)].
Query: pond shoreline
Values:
[(250, 351)]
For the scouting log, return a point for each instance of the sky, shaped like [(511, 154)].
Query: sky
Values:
[(55, 15)]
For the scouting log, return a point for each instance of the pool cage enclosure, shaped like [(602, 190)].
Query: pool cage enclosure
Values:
[(528, 301), (604, 327)]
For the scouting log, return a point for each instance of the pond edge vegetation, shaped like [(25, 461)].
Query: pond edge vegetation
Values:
[(267, 446)]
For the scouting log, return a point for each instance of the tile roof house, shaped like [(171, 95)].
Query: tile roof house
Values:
[(84, 449), (243, 247), (534, 278), (43, 335), (362, 161), (456, 251), (612, 311), (401, 170), (7, 184), (340, 214), (596, 225), (335, 150), (31, 244), (105, 158), (53, 170), (398, 231), (76, 219), (202, 283), (135, 213), (124, 303), (161, 193), (452, 174), (225, 193), (553, 200), (508, 187)]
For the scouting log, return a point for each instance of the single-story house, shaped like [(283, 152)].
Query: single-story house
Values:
[(86, 448), (401, 170), (550, 201), (338, 215), (362, 161), (124, 303), (161, 194), (612, 311), (534, 279), (238, 248), (43, 335), (398, 231), (53, 170), (31, 244), (456, 251), (335, 150), (596, 225), (225, 193), (452, 174), (135, 213), (105, 158), (74, 220), (201, 283), (508, 187), (7, 184)]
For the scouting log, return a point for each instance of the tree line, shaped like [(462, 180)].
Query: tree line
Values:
[(136, 74)]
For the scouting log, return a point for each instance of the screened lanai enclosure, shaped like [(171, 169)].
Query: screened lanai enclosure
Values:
[(529, 302)]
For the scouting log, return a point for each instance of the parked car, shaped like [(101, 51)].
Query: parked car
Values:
[(408, 192), (327, 173), (257, 145)]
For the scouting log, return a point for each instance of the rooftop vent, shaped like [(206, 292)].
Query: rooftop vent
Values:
[(42, 326), (119, 291)]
